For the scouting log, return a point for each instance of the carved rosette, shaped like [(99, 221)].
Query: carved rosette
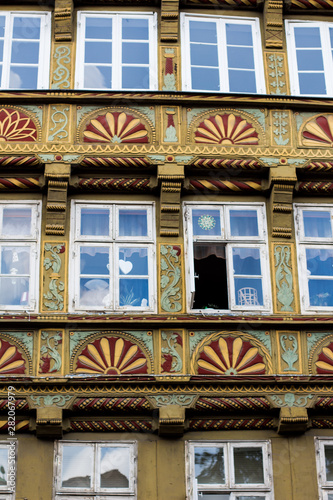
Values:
[(17, 126), (318, 132), (171, 292), (231, 355)]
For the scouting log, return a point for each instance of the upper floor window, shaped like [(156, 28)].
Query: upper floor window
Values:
[(221, 54), (310, 46), (324, 449), (116, 51), (113, 256), (24, 50), (238, 470), (87, 469), (228, 256), (314, 232), (19, 236)]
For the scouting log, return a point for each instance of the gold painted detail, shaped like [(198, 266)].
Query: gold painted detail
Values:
[(273, 24), (276, 73), (284, 278), (171, 287), (53, 265), (63, 20), (61, 70), (169, 21)]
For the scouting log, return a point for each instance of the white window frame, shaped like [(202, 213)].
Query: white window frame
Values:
[(222, 51), (325, 487), (32, 242), (95, 492), (116, 48), (230, 242), (7, 492), (114, 241), (304, 243), (234, 490), (326, 50), (44, 48)]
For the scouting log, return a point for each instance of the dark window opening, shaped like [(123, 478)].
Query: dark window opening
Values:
[(210, 271)]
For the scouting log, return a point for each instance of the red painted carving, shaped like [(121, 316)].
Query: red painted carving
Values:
[(16, 126), (226, 130), (11, 360), (115, 128)]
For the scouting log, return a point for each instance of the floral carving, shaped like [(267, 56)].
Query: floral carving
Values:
[(115, 128), (11, 360), (112, 356), (171, 296), (230, 356), (16, 126), (226, 130), (325, 360), (55, 301), (319, 131)]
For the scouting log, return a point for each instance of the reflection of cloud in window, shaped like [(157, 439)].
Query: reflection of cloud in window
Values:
[(15, 80), (115, 459), (93, 78), (77, 462)]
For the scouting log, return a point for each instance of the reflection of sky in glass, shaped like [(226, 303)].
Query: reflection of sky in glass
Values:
[(317, 224), (3, 465), (209, 465), (117, 459), (77, 461), (16, 221), (243, 223), (248, 466)]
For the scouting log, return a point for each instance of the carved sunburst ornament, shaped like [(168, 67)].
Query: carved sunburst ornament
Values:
[(319, 131), (115, 128), (230, 356), (15, 126), (325, 360), (112, 356), (11, 360), (226, 130)]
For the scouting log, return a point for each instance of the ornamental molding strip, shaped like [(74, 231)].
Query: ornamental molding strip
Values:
[(171, 178), (169, 21), (273, 24), (114, 184), (282, 180), (63, 20), (116, 162)]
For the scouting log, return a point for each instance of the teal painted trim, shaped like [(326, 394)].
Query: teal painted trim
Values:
[(315, 337), (145, 110), (37, 111), (196, 339), (61, 73), (264, 339), (27, 341), (84, 110)]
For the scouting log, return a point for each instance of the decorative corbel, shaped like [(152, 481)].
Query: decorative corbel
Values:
[(171, 421), (169, 21), (282, 180), (49, 422), (293, 420), (171, 177), (63, 20), (57, 178), (273, 24)]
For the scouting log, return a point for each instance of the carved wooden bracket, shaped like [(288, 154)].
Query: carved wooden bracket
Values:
[(273, 24), (169, 21), (49, 422), (283, 180), (293, 420), (171, 177), (63, 20), (171, 420), (57, 177)]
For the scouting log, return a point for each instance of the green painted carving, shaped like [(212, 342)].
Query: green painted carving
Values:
[(51, 352), (60, 121), (315, 337), (263, 337), (183, 158), (157, 158), (270, 161), (61, 73), (296, 161), (195, 338), (55, 301), (301, 118), (291, 400), (49, 400), (82, 111), (75, 338), (148, 111), (173, 399), (284, 277), (289, 354), (24, 338), (259, 115), (146, 338), (278, 76), (171, 340), (170, 270), (280, 129), (37, 110), (195, 112), (171, 134), (170, 78)]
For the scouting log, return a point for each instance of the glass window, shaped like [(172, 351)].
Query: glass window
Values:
[(310, 57), (324, 448), (315, 256), (114, 257), (228, 257), (24, 50), (229, 470), (222, 54), (116, 51), (104, 468), (18, 250), (7, 470)]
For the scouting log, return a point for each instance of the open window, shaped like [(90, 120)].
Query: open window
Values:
[(227, 255)]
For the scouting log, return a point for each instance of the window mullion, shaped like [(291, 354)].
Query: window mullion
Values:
[(327, 57), (222, 55), (117, 45), (7, 50)]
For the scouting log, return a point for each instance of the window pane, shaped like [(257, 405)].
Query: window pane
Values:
[(77, 467), (97, 77), (206, 222), (26, 28), (319, 262), (240, 57), (242, 497), (307, 37), (248, 466), (98, 52), (204, 55), (312, 83), (321, 292), (95, 221), (133, 261), (135, 29), (16, 222), (25, 52), (317, 224), (248, 292), (243, 223), (242, 81), (246, 261), (133, 222), (99, 28), (135, 53), (308, 60), (329, 462), (209, 465), (15, 260), (203, 495), (95, 292), (115, 467), (94, 260), (1, 50), (136, 78), (203, 32), (239, 34), (2, 26), (205, 79), (23, 77), (210, 271), (133, 292), (3, 466), (14, 291)]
